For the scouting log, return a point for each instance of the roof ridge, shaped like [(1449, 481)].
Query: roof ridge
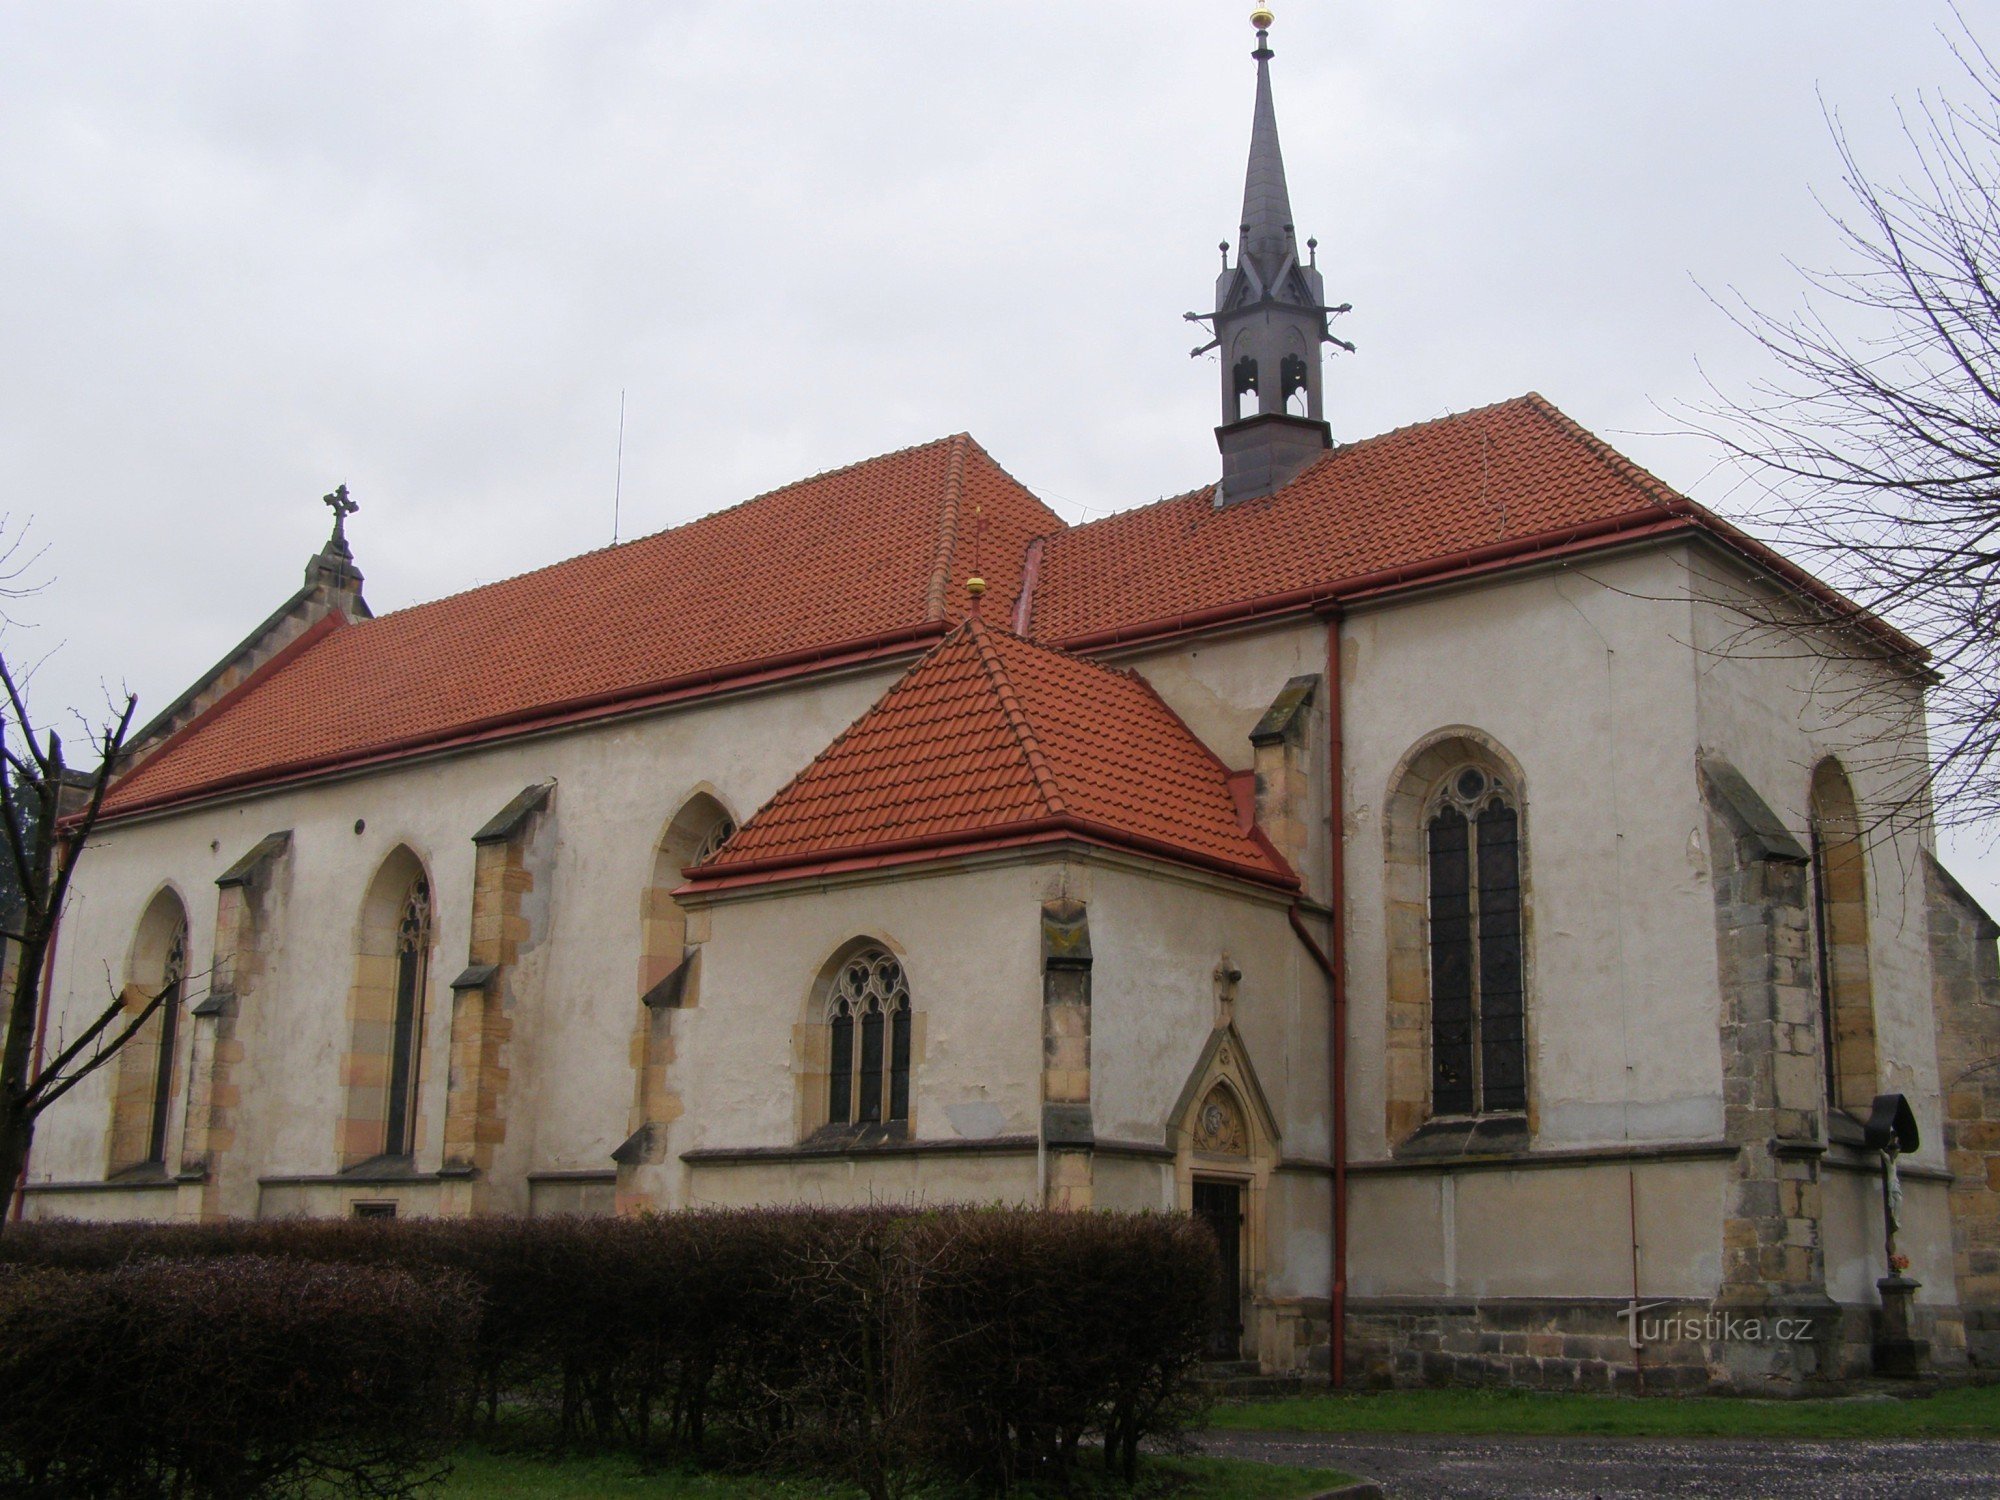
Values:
[(1338, 448), (744, 504), (1651, 487), (975, 446), (1017, 716), (947, 544)]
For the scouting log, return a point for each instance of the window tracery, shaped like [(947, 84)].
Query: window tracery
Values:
[(712, 842), (868, 1024), (1478, 1036)]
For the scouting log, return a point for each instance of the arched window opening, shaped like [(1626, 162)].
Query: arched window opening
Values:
[(173, 975), (1478, 1034), (1292, 377), (868, 1051), (383, 1069), (144, 1071), (413, 946), (1840, 942), (1243, 382)]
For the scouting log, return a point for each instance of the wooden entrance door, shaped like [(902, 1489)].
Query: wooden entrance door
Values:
[(1219, 1205)]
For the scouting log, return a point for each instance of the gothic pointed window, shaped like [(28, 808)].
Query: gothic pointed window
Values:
[(868, 1042), (413, 944), (172, 977), (1478, 1036), (1840, 942), (144, 1072)]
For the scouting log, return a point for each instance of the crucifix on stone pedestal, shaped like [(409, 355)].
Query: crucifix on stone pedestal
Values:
[(1892, 1130)]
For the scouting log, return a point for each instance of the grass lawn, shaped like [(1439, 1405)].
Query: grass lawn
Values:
[(1964, 1412), (483, 1475)]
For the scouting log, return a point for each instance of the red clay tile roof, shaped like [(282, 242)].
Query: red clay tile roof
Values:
[(992, 739), (851, 556), (874, 558), (1416, 496)]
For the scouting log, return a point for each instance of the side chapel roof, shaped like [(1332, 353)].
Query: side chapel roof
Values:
[(990, 740)]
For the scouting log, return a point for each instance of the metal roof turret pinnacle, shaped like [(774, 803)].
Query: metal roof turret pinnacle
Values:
[(1267, 206)]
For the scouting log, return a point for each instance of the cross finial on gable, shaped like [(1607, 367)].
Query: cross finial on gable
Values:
[(333, 565), (342, 508)]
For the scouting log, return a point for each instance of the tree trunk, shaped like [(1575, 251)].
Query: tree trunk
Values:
[(16, 1134)]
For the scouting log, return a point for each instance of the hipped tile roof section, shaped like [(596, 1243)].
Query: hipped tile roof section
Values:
[(874, 552), (1416, 497), (993, 740)]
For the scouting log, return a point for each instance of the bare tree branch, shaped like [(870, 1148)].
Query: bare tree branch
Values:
[(1876, 441)]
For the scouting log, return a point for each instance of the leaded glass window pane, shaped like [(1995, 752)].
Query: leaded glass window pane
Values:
[(1451, 965), (871, 1065), (1502, 1042), (840, 1084), (899, 1064), (869, 1076), (1478, 1030)]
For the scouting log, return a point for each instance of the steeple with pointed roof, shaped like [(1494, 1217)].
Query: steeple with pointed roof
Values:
[(1270, 319)]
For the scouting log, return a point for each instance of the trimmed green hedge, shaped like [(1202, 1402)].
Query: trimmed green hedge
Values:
[(983, 1343), (232, 1377)]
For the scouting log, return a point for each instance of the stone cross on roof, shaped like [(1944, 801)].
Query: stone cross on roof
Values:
[(333, 565), (342, 508)]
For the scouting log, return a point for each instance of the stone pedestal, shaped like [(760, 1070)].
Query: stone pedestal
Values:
[(1898, 1354)]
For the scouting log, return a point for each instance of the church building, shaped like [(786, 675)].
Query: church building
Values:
[(1397, 851)]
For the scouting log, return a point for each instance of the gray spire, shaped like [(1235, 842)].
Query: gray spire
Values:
[(1270, 319), (1267, 206)]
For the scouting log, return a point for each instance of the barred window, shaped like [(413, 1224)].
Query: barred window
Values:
[(1478, 1039), (868, 1021)]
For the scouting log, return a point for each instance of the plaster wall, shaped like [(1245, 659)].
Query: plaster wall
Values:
[(1581, 676), (1221, 686), (617, 786), (1467, 1234), (1158, 941), (1775, 711), (1853, 1236), (969, 942)]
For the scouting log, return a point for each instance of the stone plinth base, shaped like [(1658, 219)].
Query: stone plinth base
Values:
[(1899, 1354)]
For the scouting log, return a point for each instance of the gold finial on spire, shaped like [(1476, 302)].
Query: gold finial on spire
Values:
[(1261, 18)]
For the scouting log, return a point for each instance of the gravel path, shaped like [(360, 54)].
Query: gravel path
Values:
[(1588, 1468)]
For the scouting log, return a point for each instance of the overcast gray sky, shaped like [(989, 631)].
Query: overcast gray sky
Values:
[(250, 250)]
